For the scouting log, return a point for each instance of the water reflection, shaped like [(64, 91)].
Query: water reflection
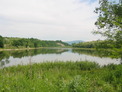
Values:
[(2, 63), (32, 52), (9, 58), (100, 53)]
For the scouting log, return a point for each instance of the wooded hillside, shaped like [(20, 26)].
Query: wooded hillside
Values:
[(15, 42)]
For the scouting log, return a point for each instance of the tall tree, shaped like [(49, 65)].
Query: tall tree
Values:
[(1, 42), (109, 21)]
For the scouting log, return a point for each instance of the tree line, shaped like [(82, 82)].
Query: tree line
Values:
[(105, 44), (11, 42)]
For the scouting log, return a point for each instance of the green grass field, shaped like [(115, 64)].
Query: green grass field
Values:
[(61, 77)]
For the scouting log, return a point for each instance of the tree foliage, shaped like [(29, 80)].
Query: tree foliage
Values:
[(96, 44), (106, 44), (1, 42), (109, 21), (11, 42)]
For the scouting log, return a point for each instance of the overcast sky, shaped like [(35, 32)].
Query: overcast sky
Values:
[(48, 19)]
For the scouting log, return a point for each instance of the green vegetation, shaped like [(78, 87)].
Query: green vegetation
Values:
[(106, 48), (11, 42), (91, 44), (68, 76), (61, 77), (100, 53), (1, 42), (109, 22), (105, 44)]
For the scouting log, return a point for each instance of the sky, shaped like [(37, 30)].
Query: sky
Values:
[(49, 19)]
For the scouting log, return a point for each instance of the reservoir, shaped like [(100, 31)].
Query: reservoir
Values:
[(23, 57)]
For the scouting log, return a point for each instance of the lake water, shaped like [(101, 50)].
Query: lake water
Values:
[(22, 57)]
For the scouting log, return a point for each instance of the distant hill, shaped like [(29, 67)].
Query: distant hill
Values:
[(75, 41), (16, 42)]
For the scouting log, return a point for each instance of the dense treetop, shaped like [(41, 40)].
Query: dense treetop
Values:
[(11, 42), (109, 20)]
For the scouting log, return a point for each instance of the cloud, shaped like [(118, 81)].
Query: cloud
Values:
[(48, 19)]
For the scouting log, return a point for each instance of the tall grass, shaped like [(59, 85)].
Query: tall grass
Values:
[(61, 77)]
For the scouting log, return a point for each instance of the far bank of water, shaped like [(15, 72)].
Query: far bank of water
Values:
[(10, 58)]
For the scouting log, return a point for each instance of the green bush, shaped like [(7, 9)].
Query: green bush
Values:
[(61, 77)]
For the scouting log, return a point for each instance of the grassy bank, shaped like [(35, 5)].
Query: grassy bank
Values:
[(61, 77), (18, 49)]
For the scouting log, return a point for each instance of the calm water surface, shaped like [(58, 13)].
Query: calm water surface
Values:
[(10, 58)]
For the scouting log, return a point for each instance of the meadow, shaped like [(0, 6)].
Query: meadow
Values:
[(60, 76)]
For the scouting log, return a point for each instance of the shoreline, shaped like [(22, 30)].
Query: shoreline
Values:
[(19, 49), (15, 49)]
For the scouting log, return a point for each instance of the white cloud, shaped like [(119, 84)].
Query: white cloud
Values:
[(48, 19)]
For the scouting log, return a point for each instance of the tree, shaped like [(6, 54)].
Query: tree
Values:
[(16, 43), (109, 21), (1, 42)]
